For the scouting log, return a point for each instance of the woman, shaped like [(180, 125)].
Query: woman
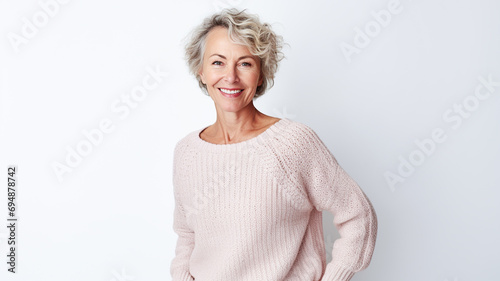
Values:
[(249, 189)]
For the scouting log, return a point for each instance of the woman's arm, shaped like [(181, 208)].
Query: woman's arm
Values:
[(330, 188), (179, 267)]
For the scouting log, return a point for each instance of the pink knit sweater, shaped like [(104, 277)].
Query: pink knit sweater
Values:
[(252, 210)]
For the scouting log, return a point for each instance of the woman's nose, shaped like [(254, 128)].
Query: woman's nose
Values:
[(231, 74)]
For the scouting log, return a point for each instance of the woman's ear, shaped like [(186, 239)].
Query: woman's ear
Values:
[(200, 73), (261, 80)]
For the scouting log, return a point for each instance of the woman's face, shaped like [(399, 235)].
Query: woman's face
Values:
[(230, 72)]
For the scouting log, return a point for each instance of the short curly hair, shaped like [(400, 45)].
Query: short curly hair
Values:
[(245, 29)]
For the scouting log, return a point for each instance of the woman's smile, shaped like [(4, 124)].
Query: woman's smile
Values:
[(230, 93)]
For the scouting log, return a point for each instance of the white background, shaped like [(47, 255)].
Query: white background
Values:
[(110, 218)]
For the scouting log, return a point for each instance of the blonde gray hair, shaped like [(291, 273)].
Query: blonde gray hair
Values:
[(245, 29)]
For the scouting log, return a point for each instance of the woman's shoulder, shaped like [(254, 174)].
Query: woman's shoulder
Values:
[(294, 139), (187, 140), (296, 131)]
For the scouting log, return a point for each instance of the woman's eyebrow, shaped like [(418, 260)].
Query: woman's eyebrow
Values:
[(218, 55), (240, 58), (246, 57)]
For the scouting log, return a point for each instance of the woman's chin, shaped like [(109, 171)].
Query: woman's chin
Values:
[(230, 108)]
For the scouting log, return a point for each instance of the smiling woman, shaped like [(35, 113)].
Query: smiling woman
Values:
[(250, 188), (234, 57), (242, 29), (230, 73)]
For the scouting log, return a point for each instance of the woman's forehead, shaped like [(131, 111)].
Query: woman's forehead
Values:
[(218, 41)]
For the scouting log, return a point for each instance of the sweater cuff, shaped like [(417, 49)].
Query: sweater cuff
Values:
[(334, 272), (182, 276)]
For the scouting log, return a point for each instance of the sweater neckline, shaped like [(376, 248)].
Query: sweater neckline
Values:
[(242, 145)]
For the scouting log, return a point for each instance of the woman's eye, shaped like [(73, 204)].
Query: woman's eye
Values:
[(217, 62), (246, 64)]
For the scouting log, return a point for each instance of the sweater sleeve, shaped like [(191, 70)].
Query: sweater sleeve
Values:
[(330, 188), (179, 267)]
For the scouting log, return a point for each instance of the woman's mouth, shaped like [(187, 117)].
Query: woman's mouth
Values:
[(230, 93)]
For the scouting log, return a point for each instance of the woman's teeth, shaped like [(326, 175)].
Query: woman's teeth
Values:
[(231, 92)]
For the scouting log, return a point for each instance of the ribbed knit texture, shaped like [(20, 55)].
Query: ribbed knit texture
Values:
[(252, 210)]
